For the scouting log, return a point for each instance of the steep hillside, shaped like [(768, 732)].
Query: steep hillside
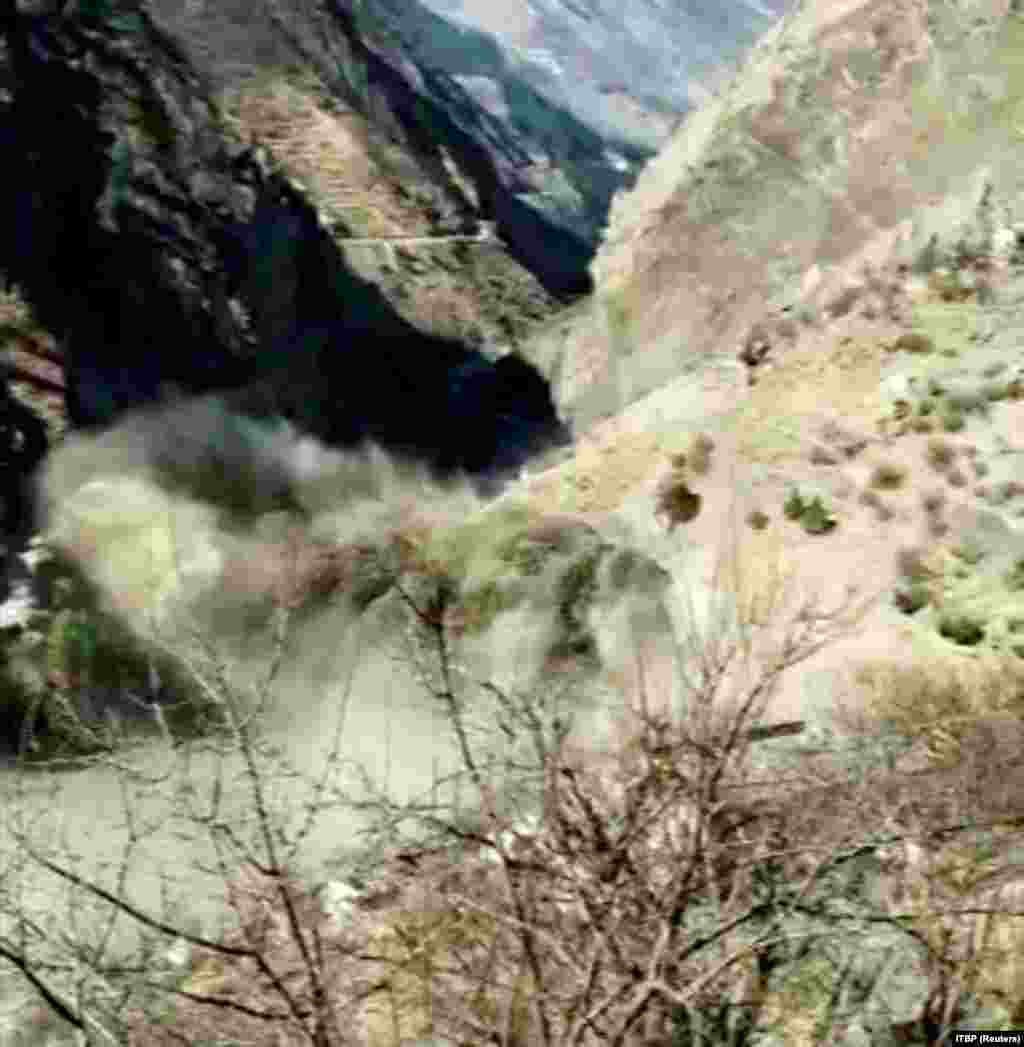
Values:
[(544, 110), (848, 122), (823, 273)]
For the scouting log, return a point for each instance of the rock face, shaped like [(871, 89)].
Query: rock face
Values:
[(839, 146), (546, 110), (169, 259)]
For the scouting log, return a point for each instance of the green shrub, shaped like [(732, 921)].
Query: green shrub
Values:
[(793, 506), (962, 629), (952, 420), (970, 551), (816, 519), (995, 391), (911, 598)]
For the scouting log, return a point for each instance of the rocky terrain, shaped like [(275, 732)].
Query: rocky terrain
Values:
[(800, 351)]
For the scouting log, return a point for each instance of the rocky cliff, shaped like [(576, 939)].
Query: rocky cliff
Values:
[(173, 258), (545, 111)]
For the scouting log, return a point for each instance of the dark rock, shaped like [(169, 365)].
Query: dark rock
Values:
[(23, 444), (162, 256)]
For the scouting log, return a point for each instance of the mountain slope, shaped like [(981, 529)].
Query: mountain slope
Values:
[(847, 121)]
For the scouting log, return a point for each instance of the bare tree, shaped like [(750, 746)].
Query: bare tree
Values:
[(648, 894)]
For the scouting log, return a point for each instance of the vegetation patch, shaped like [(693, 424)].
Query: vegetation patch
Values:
[(888, 475), (699, 454), (940, 453), (952, 420), (810, 512), (963, 629), (914, 342), (910, 598), (758, 519)]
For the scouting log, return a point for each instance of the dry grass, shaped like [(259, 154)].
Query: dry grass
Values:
[(912, 564), (888, 475), (928, 696), (324, 150), (699, 454), (940, 453)]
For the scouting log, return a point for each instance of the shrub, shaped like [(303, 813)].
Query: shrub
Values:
[(816, 519), (952, 420), (758, 519), (926, 406), (920, 694), (911, 598), (922, 424), (933, 501), (980, 468), (962, 629), (940, 453), (970, 551), (956, 478), (793, 506), (888, 475), (910, 563), (914, 342), (700, 453)]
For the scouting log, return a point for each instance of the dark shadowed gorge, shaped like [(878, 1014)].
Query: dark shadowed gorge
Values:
[(170, 259)]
